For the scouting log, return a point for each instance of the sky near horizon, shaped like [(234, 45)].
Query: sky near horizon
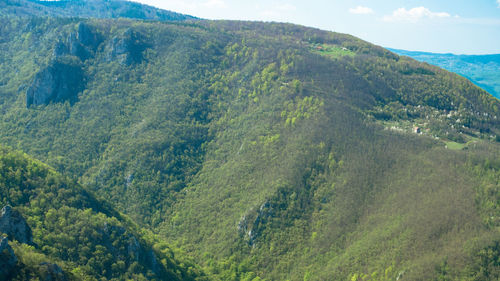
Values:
[(440, 26)]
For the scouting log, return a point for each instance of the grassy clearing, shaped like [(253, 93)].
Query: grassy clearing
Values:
[(331, 51), (455, 145)]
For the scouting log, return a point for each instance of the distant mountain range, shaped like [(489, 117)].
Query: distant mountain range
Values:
[(482, 70), (88, 9)]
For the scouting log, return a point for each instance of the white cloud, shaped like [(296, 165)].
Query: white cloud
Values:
[(498, 1), (414, 15), (360, 10)]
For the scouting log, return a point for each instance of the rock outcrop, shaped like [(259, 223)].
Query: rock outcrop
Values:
[(134, 248), (155, 264), (134, 251), (60, 81), (64, 77), (87, 36), (251, 225), (52, 272), (81, 43), (76, 48), (60, 50), (127, 48), (8, 259), (14, 225)]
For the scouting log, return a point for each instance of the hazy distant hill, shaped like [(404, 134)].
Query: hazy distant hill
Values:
[(483, 70), (88, 9)]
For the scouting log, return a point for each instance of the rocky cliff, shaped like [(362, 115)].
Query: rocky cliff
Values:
[(8, 259), (62, 80), (14, 226)]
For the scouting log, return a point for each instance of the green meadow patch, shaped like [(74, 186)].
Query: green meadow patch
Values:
[(331, 51)]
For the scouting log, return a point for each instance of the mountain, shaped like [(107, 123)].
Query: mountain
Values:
[(59, 231), (88, 9), (482, 70), (262, 150)]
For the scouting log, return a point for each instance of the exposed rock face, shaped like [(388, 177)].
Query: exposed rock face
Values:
[(82, 43), (64, 78), (134, 250), (60, 50), (128, 48), (155, 265), (14, 225), (52, 272), (60, 81), (87, 36), (251, 225), (8, 259), (76, 48)]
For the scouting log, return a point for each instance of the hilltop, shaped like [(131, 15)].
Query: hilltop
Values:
[(88, 9)]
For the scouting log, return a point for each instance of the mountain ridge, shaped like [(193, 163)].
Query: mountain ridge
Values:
[(89, 9), (265, 150)]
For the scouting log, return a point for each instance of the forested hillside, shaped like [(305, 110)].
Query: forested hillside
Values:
[(262, 150), (67, 234)]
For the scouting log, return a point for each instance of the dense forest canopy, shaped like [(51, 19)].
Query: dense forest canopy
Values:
[(85, 238)]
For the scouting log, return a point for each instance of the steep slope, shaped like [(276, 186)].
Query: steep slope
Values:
[(268, 150), (88, 9), (483, 70), (74, 235)]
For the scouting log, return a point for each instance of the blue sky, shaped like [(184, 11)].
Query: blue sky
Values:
[(446, 26)]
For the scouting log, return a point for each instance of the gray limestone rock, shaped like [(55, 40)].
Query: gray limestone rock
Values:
[(134, 248), (87, 36), (81, 43), (14, 225), (52, 272), (76, 48), (60, 50), (8, 259), (127, 48), (60, 81)]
